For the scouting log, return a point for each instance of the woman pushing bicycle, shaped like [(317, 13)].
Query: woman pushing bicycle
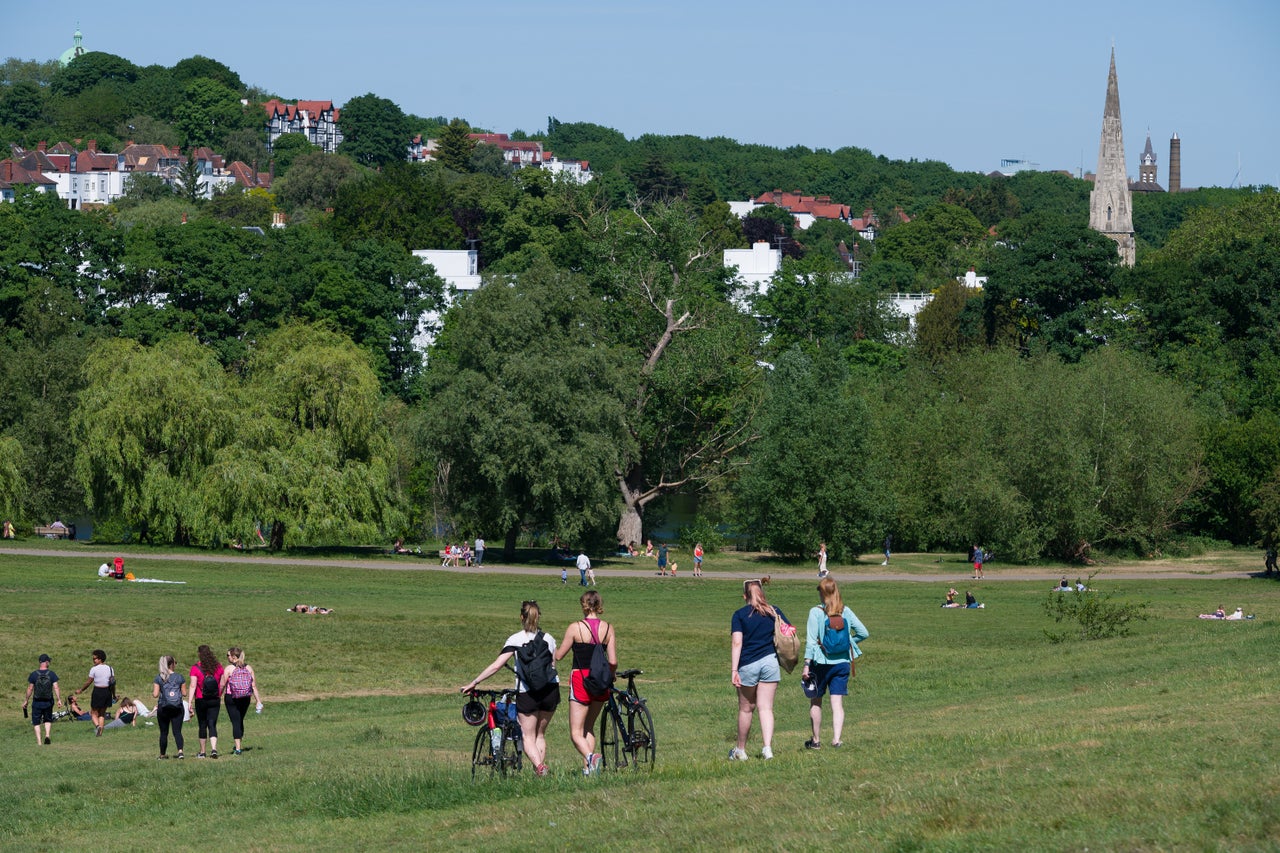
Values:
[(584, 706), (537, 685)]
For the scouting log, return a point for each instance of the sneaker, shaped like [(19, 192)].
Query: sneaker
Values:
[(201, 755), (593, 763), (837, 744), (235, 752), (213, 754), (47, 741), (766, 753), (163, 758), (180, 755), (540, 770), (736, 754), (813, 744)]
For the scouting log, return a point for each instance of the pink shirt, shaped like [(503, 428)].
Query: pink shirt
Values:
[(197, 679)]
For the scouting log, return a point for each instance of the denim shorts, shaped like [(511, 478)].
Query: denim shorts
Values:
[(764, 670)]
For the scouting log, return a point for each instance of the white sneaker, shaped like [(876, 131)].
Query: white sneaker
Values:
[(885, 563), (736, 754), (766, 753)]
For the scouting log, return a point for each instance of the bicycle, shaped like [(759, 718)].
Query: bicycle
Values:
[(499, 743), (626, 727)]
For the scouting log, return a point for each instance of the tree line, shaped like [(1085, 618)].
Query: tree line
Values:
[(606, 365)]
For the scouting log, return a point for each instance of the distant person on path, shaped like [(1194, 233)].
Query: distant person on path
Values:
[(662, 559), (753, 667), (822, 560), (42, 692), (1270, 558), (479, 551), (169, 691), (888, 548), (102, 677), (584, 564), (697, 560), (832, 636), (206, 675), (584, 706), (239, 687), (978, 558), (8, 529), (535, 708)]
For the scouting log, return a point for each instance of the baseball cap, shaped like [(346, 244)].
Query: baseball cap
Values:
[(45, 658)]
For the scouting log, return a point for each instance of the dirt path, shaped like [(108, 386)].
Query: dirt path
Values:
[(918, 568)]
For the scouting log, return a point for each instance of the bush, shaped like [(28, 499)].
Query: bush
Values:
[(1097, 616), (704, 531)]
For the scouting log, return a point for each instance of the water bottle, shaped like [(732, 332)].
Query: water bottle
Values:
[(495, 737), (258, 710)]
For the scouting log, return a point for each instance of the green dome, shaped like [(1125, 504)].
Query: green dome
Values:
[(73, 51)]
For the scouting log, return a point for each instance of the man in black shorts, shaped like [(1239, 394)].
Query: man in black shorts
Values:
[(42, 693)]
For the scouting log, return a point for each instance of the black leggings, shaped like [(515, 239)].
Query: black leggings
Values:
[(167, 717), (237, 709), (206, 714)]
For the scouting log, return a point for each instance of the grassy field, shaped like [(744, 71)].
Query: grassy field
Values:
[(966, 730)]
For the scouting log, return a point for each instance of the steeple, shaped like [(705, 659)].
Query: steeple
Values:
[(1110, 204)]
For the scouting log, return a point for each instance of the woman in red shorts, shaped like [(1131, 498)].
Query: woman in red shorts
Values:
[(584, 708)]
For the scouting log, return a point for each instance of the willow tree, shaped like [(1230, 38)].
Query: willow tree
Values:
[(311, 458), (148, 423)]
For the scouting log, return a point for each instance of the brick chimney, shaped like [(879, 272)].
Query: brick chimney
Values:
[(93, 146), (40, 146)]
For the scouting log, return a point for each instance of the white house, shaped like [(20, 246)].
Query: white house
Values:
[(460, 269), (754, 267)]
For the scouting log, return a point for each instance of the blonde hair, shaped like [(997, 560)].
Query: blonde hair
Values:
[(753, 591), (167, 663), (529, 615), (237, 655), (832, 603)]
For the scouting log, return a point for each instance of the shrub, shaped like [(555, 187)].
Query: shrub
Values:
[(704, 531), (1095, 613)]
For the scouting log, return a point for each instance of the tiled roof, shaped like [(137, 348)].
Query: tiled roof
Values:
[(13, 173)]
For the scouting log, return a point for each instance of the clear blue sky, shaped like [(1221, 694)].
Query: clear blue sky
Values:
[(966, 83)]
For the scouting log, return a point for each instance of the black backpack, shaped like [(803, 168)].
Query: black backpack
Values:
[(599, 677), (43, 691), (209, 687), (537, 666)]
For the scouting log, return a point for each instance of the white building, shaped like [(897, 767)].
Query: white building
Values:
[(460, 269)]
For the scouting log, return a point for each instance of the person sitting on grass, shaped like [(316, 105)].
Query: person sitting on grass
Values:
[(951, 598), (309, 608)]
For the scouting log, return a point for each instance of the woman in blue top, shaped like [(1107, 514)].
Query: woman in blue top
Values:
[(828, 658), (753, 662)]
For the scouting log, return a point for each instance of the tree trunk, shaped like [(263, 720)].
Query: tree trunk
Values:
[(277, 536), (509, 544), (631, 524)]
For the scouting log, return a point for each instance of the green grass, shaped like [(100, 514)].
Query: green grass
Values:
[(966, 730)]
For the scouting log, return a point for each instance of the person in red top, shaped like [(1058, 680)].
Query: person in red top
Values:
[(697, 560), (205, 704), (118, 573)]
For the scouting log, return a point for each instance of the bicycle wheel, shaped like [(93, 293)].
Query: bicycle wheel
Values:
[(641, 742), (511, 753), (482, 753), (609, 742)]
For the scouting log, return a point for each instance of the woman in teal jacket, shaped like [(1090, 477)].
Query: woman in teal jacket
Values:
[(833, 633)]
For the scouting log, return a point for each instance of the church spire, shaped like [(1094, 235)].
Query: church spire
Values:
[(1110, 203)]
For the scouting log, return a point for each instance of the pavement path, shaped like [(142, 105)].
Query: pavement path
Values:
[(1212, 567)]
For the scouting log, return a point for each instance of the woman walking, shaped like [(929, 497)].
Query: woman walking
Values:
[(103, 679), (535, 707), (206, 675), (168, 691), (833, 633), (754, 669), (584, 706), (822, 560), (238, 686)]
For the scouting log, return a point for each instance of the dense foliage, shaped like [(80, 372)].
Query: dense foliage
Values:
[(608, 363)]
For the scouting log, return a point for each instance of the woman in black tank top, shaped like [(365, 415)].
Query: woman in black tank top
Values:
[(584, 708)]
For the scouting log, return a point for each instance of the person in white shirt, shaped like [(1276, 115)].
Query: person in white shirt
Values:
[(584, 563)]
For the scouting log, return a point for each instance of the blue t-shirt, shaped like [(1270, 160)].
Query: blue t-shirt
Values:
[(757, 634)]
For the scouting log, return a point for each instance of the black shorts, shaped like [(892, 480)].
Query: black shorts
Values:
[(547, 699), (41, 712), (101, 698)]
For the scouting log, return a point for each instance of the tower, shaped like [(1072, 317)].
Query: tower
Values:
[(1110, 204), (1175, 164), (1147, 168)]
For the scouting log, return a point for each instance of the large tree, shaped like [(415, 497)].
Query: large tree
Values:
[(375, 131)]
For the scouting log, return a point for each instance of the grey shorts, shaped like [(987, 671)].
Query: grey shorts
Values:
[(764, 670)]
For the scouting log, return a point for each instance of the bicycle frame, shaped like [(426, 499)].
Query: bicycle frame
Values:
[(626, 728)]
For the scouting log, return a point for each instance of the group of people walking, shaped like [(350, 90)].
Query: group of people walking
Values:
[(536, 702), (832, 635), (201, 694)]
